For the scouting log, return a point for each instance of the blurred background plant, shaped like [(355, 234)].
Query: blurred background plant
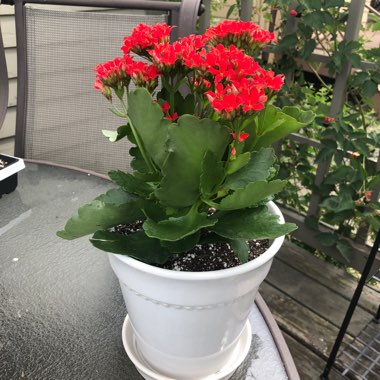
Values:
[(347, 141)]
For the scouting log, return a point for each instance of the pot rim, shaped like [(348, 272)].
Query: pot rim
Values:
[(211, 275)]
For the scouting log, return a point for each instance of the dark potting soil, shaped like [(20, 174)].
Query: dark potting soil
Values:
[(203, 257)]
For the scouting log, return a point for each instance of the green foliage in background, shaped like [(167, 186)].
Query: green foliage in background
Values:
[(350, 142)]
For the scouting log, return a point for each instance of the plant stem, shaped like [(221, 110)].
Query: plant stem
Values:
[(315, 72), (137, 139)]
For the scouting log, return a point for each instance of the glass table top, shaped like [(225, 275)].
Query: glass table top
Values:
[(61, 309)]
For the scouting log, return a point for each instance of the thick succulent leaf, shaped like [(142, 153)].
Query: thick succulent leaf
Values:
[(212, 174), (251, 195), (188, 143), (257, 169), (130, 183), (273, 124), (238, 163), (175, 228), (241, 249), (138, 164), (105, 211), (183, 245), (304, 117), (147, 118), (137, 245), (212, 238), (249, 224)]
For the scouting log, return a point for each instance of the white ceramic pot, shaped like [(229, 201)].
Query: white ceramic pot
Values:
[(187, 324)]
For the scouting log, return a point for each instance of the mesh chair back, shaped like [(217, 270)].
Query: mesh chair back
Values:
[(3, 82), (63, 114)]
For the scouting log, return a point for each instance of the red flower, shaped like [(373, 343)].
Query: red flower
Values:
[(233, 151), (106, 91), (114, 73), (173, 117), (245, 35), (165, 107), (143, 74), (243, 136), (144, 37), (165, 56), (293, 13), (328, 120)]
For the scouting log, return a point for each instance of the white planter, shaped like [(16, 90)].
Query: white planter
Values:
[(8, 175), (187, 324)]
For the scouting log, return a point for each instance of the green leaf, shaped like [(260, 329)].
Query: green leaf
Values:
[(354, 59), (241, 249), (251, 195), (361, 147), (230, 10), (138, 164), (184, 105), (289, 41), (326, 238), (313, 4), (258, 168), (182, 245), (240, 161), (108, 210), (117, 135), (339, 203), (130, 183), (250, 224), (345, 248), (304, 117), (147, 118), (315, 19), (374, 223), (175, 228), (212, 174), (369, 88), (341, 174), (359, 78), (137, 245), (308, 49), (274, 124), (334, 3), (188, 143)]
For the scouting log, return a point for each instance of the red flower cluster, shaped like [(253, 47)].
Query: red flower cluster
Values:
[(145, 37), (232, 81), (242, 34), (143, 74), (114, 73), (241, 85), (119, 72)]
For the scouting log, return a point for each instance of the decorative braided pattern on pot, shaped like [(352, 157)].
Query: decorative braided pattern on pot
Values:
[(190, 307)]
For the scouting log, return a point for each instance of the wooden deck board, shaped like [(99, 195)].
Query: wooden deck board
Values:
[(329, 275), (309, 298), (317, 297)]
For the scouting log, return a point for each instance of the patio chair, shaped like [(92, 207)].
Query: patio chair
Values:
[(3, 82), (59, 115)]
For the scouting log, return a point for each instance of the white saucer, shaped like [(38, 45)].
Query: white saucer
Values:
[(148, 373)]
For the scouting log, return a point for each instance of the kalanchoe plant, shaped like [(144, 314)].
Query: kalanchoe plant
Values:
[(203, 168)]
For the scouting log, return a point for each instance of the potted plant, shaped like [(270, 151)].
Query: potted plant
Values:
[(9, 167), (182, 228)]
